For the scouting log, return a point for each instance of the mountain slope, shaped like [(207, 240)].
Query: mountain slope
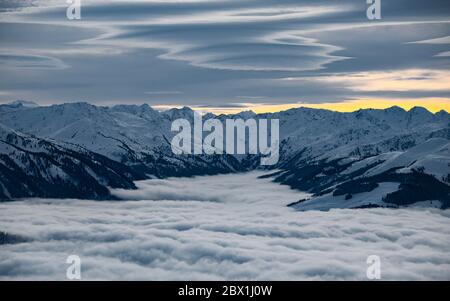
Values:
[(320, 150), (34, 167), (422, 173), (136, 136)]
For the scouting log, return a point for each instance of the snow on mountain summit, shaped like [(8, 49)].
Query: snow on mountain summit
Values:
[(23, 103), (319, 149)]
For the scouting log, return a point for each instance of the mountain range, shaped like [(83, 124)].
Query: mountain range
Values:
[(367, 158)]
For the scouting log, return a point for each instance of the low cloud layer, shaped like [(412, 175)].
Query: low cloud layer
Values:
[(221, 227)]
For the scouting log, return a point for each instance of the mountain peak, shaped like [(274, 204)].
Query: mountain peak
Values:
[(175, 113), (23, 103), (245, 114), (442, 113), (186, 109), (76, 104), (419, 110), (146, 106), (395, 109), (131, 108)]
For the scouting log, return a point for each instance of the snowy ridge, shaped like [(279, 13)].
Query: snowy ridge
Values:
[(31, 166), (319, 149), (421, 173), (137, 136)]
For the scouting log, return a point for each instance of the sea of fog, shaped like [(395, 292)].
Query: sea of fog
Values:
[(234, 227)]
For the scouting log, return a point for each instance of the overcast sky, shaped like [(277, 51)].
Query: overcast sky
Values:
[(224, 53)]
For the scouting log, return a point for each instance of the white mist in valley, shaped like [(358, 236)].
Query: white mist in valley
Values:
[(225, 227)]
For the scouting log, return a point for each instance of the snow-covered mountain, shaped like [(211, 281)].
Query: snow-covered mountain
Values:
[(320, 150), (31, 166), (136, 136), (22, 103), (391, 179)]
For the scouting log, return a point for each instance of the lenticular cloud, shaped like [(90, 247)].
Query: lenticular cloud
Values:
[(233, 227)]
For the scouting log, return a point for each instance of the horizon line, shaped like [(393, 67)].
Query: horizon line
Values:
[(340, 107)]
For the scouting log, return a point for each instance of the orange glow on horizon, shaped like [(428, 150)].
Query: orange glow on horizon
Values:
[(432, 105)]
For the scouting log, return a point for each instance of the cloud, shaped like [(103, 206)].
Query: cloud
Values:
[(410, 80), (162, 92), (11, 5), (233, 227), (122, 49), (26, 61)]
